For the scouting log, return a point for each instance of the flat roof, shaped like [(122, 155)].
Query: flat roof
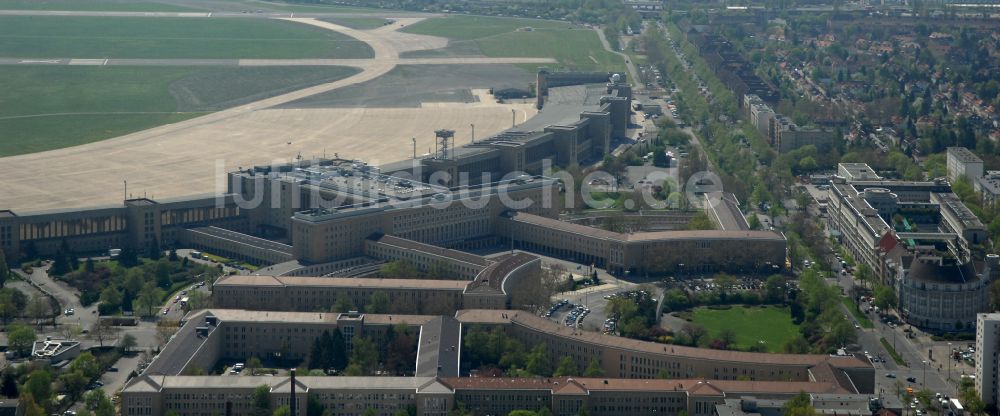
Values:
[(246, 315), (438, 351), (954, 205), (431, 249), (725, 208), (241, 238), (493, 276), (157, 382), (964, 155), (347, 282)]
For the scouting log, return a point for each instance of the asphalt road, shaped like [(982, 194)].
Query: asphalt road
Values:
[(632, 73), (68, 297), (932, 375)]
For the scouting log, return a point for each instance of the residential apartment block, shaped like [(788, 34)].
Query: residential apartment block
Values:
[(962, 162)]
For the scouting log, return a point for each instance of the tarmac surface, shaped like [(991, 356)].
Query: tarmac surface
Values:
[(413, 85), (191, 157), (268, 15), (468, 60)]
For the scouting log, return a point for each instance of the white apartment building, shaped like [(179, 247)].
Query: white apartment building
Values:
[(962, 162), (987, 347)]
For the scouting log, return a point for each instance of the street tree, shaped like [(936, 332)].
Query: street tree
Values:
[(149, 299), (127, 343), (103, 332), (38, 309), (885, 297)]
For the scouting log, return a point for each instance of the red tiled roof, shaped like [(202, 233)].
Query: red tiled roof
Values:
[(584, 385)]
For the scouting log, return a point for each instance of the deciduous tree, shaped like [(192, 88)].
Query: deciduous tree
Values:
[(593, 369), (260, 400), (127, 343), (21, 338), (149, 299), (102, 331), (566, 367), (39, 385)]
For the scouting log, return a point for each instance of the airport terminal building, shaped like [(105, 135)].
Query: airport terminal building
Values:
[(317, 217)]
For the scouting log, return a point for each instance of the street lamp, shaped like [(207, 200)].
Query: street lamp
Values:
[(923, 383), (950, 358)]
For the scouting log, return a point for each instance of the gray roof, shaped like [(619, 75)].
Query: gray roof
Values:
[(437, 353), (964, 155), (934, 272)]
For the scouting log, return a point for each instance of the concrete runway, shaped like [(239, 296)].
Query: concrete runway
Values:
[(360, 63), (188, 157), (268, 15)]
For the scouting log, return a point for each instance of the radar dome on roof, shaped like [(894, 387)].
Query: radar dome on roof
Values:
[(616, 77)]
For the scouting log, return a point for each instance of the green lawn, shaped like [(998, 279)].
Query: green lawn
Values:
[(773, 325), (92, 5), (44, 108), (165, 37), (153, 6), (575, 47)]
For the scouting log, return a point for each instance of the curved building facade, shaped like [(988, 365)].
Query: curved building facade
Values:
[(940, 294)]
